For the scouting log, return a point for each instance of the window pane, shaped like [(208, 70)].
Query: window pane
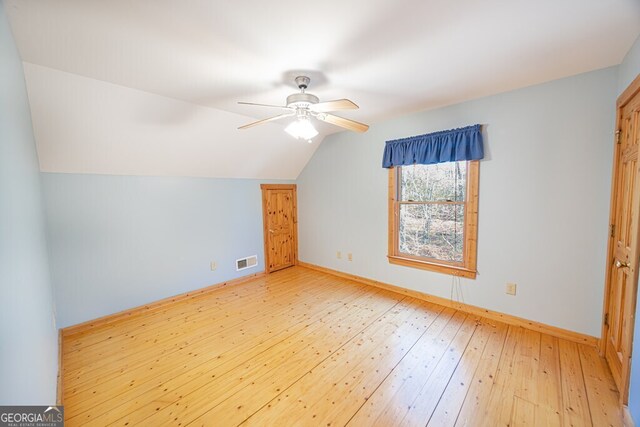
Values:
[(432, 231), (434, 183)]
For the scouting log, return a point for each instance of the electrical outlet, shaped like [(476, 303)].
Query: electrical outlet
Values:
[(350, 256), (214, 265), (511, 288), (339, 255)]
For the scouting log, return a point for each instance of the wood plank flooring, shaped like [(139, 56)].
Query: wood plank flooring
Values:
[(301, 347)]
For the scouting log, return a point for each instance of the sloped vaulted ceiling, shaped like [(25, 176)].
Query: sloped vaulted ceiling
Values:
[(149, 87)]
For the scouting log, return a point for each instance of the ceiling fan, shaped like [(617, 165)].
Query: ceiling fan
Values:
[(305, 106)]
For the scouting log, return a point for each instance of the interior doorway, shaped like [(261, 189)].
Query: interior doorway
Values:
[(621, 286), (280, 221)]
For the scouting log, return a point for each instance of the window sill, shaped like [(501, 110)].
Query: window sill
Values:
[(439, 268)]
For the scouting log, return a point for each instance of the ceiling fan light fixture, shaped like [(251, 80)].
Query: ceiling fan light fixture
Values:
[(305, 106), (301, 129)]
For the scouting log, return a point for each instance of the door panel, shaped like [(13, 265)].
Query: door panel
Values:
[(623, 255), (280, 226)]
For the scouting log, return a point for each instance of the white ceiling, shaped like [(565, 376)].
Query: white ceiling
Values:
[(138, 74)]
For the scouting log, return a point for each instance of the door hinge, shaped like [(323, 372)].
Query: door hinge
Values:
[(618, 132), (606, 319), (612, 230)]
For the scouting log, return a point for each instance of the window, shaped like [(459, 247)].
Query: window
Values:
[(433, 215)]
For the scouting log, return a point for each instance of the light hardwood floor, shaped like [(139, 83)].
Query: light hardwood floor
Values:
[(301, 347)]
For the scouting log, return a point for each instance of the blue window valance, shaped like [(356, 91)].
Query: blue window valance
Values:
[(438, 147)]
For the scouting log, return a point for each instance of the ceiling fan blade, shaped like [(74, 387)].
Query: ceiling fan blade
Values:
[(342, 122), (265, 105), (270, 119), (337, 104)]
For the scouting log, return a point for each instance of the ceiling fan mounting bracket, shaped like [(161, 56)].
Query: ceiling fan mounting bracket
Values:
[(302, 82)]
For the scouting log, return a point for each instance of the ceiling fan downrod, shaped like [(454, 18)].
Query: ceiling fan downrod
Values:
[(302, 100)]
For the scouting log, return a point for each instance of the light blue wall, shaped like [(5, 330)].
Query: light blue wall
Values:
[(544, 183), (116, 242), (28, 337), (627, 72), (629, 69)]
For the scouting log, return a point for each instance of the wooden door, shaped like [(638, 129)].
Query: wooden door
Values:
[(622, 262), (279, 218)]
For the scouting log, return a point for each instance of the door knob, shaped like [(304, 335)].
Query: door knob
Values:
[(270, 231), (621, 264)]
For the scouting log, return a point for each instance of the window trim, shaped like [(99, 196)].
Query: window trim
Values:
[(468, 267)]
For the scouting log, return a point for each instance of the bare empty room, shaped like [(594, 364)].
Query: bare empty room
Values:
[(356, 213)]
